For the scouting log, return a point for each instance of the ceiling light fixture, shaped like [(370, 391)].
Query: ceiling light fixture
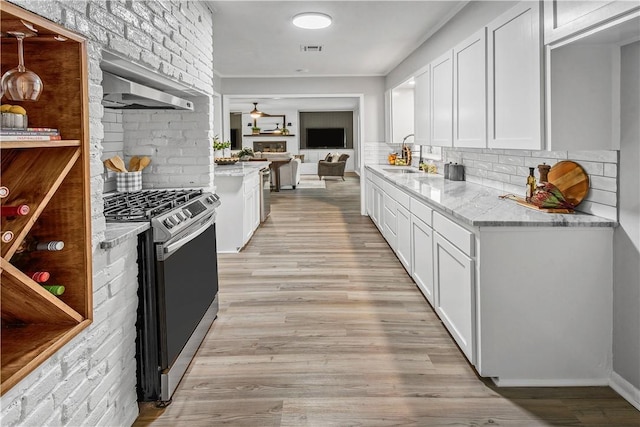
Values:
[(311, 20), (255, 113)]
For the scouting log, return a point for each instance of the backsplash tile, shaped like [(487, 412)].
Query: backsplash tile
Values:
[(507, 170)]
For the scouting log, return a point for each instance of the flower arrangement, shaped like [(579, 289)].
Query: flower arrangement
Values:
[(246, 151)]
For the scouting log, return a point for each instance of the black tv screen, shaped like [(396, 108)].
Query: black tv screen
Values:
[(325, 138)]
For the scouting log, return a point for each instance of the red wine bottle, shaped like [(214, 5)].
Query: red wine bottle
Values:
[(29, 245), (56, 290), (19, 210), (7, 236), (4, 191), (39, 276)]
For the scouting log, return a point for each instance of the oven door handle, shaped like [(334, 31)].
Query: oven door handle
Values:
[(172, 247)]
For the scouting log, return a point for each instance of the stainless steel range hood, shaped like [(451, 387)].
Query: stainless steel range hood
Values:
[(121, 93)]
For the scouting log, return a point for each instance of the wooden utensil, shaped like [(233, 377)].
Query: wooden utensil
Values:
[(109, 164), (144, 162), (119, 163), (571, 180), (134, 163)]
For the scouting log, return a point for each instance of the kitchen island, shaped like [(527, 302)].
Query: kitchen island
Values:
[(239, 187), (526, 295)]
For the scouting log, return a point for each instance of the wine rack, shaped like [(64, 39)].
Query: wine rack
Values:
[(52, 177)]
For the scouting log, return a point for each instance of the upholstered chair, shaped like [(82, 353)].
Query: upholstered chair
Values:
[(332, 166)]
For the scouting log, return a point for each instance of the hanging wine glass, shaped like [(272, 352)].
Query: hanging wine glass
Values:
[(20, 84)]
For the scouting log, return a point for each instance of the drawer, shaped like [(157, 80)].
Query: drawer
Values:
[(462, 238), (421, 211), (377, 180), (397, 194)]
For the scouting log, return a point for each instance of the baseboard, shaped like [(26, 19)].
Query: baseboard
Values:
[(524, 382), (625, 389)]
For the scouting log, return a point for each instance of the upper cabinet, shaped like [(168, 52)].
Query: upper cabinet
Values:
[(583, 74), (514, 79), (442, 100), (470, 92), (402, 112), (563, 18), (422, 108)]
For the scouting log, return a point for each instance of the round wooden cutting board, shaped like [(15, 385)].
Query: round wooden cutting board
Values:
[(571, 180)]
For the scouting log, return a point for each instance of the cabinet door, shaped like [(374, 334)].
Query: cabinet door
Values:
[(442, 100), (389, 220), (256, 207), (377, 207), (403, 233), (564, 18), (455, 293), (514, 75), (248, 216), (422, 257), (422, 108), (469, 92), (368, 194)]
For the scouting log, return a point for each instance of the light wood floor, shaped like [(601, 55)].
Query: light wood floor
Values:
[(320, 325)]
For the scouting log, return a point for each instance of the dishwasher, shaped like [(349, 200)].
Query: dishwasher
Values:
[(265, 194)]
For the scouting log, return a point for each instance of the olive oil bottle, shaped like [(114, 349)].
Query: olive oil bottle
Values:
[(531, 185)]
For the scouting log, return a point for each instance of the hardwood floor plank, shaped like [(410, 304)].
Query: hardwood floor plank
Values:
[(320, 325)]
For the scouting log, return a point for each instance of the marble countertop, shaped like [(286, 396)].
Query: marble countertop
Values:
[(240, 169), (478, 205), (118, 232)]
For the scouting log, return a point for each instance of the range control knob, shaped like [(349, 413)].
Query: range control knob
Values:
[(187, 213), (176, 220), (167, 223), (181, 216), (210, 200)]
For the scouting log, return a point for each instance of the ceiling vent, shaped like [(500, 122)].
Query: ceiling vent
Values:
[(311, 48)]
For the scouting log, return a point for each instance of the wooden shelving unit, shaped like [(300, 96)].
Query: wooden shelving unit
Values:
[(52, 177)]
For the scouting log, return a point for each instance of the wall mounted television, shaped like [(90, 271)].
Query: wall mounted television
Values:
[(326, 138)]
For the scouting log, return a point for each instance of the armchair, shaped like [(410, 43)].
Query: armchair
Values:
[(328, 167)]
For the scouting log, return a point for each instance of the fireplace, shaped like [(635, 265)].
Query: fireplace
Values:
[(270, 146)]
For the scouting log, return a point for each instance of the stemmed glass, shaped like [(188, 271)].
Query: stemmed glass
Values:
[(20, 84)]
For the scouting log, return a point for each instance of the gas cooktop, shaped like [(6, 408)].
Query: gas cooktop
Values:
[(144, 205)]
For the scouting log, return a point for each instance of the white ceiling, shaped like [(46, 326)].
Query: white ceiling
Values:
[(367, 38)]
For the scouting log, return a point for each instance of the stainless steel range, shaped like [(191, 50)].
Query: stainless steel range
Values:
[(178, 281)]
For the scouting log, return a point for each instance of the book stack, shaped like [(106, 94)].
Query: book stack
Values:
[(30, 134)]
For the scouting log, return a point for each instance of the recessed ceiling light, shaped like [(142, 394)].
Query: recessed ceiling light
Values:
[(312, 20)]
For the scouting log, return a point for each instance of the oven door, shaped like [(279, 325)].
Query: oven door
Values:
[(187, 284)]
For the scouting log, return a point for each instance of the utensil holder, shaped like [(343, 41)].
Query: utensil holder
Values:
[(14, 121), (128, 181)]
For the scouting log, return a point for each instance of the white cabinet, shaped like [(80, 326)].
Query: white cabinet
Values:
[(422, 257), (564, 18), (239, 213), (514, 83), (389, 221), (403, 233), (442, 100), (454, 285), (422, 107), (470, 93)]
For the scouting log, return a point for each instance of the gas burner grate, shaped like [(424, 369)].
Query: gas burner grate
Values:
[(145, 204)]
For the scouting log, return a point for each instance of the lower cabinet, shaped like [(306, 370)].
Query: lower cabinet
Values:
[(422, 257), (455, 293), (403, 234), (239, 213), (389, 221)]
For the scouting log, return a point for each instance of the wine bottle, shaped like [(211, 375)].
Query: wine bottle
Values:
[(30, 245), (39, 276), (531, 185), (19, 210), (4, 191), (7, 236), (56, 290)]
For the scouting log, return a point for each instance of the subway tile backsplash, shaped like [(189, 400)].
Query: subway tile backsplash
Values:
[(507, 170)]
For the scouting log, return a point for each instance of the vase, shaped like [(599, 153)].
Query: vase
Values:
[(218, 154), (226, 152)]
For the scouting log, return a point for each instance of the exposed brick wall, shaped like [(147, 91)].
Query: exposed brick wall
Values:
[(91, 380)]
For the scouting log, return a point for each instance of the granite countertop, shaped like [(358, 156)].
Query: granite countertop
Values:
[(240, 169), (477, 205), (117, 232)]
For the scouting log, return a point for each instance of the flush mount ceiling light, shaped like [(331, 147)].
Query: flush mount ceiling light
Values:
[(311, 20)]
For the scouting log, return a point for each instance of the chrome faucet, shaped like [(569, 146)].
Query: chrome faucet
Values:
[(406, 153)]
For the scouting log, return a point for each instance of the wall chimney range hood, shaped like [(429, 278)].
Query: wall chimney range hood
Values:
[(121, 93)]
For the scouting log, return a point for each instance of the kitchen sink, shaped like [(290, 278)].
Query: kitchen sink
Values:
[(401, 170)]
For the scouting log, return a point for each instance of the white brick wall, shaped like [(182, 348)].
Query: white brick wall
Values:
[(91, 380), (507, 170)]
